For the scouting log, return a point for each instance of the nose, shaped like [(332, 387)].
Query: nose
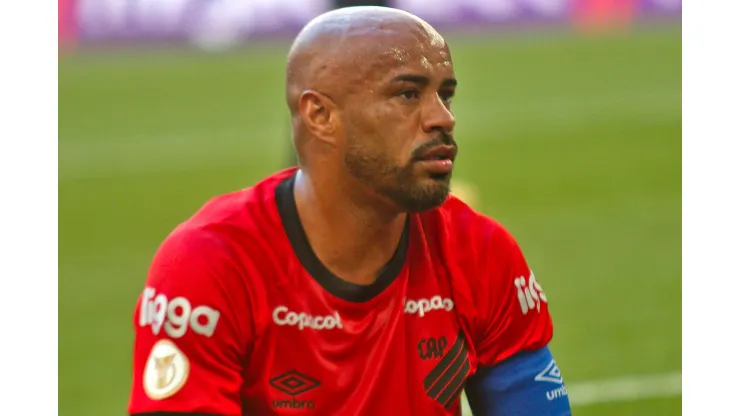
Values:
[(437, 116)]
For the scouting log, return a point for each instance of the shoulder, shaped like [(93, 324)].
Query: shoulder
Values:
[(241, 216), (226, 234), (467, 228), (496, 295), (480, 251), (242, 209)]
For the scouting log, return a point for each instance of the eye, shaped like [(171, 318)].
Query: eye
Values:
[(446, 96), (409, 94)]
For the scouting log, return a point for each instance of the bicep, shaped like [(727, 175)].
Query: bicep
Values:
[(188, 343), (526, 384)]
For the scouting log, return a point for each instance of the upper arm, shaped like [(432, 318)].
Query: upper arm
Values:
[(512, 338), (189, 345), (514, 314)]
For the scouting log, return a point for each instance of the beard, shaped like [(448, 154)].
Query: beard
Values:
[(402, 184)]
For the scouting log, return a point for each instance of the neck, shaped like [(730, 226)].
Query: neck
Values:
[(353, 236)]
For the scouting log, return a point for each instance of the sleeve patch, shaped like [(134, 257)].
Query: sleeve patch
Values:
[(166, 372)]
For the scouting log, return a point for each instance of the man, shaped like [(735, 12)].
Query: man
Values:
[(355, 284), (461, 189)]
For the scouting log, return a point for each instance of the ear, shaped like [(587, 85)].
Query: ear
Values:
[(318, 113)]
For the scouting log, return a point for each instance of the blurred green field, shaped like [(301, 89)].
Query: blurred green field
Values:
[(574, 144)]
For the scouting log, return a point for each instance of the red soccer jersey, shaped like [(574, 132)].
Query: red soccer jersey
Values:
[(239, 317)]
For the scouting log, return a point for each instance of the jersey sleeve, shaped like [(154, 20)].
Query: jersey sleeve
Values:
[(191, 329), (513, 305)]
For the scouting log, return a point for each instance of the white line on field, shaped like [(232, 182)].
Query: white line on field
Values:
[(625, 389), (622, 389)]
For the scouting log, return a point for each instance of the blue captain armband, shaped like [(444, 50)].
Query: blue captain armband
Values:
[(526, 384)]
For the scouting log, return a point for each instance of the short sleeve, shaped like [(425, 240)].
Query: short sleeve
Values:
[(515, 315), (190, 325)]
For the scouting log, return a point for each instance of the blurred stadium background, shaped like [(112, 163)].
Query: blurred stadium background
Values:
[(569, 124)]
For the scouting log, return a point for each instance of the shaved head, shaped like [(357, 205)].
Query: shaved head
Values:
[(369, 91), (339, 49)]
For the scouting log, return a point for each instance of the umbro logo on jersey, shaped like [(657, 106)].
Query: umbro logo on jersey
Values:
[(529, 292), (293, 383)]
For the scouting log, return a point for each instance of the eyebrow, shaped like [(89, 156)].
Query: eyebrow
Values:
[(422, 80)]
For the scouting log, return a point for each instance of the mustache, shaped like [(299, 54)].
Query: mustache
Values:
[(441, 139)]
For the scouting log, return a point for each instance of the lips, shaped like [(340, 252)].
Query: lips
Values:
[(440, 153), (438, 161)]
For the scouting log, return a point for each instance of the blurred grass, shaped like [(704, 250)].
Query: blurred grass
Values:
[(574, 143), (670, 406)]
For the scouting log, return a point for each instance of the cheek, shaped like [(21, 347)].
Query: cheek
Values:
[(383, 130), (394, 140), (360, 121)]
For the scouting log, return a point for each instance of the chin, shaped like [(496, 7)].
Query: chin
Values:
[(429, 195), (435, 182), (441, 177), (418, 193)]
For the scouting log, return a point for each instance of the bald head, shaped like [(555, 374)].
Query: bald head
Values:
[(336, 51), (370, 91)]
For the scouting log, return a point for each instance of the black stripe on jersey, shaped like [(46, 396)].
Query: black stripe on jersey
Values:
[(444, 380), (446, 361), (455, 387)]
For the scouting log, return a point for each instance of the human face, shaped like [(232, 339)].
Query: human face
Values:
[(399, 125)]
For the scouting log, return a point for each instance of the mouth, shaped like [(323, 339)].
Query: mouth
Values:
[(439, 161), (440, 153)]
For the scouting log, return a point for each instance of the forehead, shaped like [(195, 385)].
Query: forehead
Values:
[(391, 50)]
